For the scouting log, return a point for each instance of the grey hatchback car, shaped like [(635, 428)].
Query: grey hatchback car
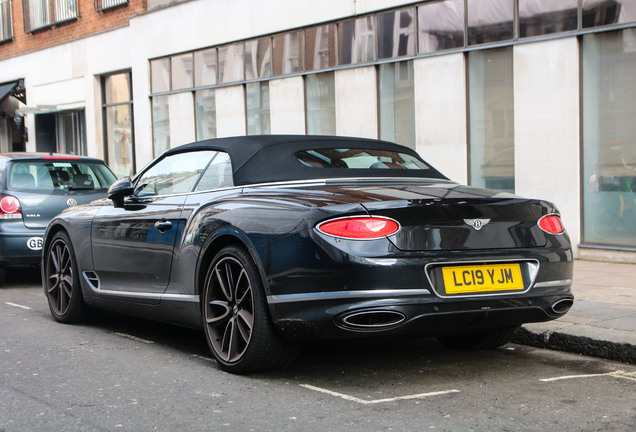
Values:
[(35, 187)]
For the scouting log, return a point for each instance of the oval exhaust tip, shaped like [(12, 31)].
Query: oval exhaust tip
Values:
[(562, 306), (372, 320)]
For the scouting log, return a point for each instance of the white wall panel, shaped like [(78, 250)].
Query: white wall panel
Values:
[(547, 126), (440, 114), (181, 108), (357, 102), (287, 105), (230, 111)]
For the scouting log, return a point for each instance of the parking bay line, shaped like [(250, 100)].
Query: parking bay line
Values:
[(377, 401), (18, 305), (135, 338), (615, 374)]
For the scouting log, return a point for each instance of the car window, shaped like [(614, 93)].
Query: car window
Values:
[(174, 174), (47, 176), (218, 174), (359, 159)]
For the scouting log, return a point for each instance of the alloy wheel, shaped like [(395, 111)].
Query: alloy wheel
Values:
[(229, 309), (59, 274)]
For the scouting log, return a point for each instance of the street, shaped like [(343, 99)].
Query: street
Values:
[(116, 373)]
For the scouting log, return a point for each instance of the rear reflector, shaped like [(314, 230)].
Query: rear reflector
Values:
[(359, 228), (9, 207), (551, 224)]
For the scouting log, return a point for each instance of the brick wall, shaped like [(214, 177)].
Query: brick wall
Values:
[(88, 22)]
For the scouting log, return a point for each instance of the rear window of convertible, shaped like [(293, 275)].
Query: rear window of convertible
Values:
[(360, 159)]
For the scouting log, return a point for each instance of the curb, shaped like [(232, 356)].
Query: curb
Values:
[(560, 341)]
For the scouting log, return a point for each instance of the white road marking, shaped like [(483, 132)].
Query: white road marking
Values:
[(377, 401), (618, 374), (135, 338), (18, 305), (203, 357)]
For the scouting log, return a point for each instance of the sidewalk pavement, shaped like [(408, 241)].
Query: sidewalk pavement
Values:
[(602, 322)]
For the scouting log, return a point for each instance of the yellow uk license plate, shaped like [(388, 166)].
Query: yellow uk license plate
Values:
[(482, 278)]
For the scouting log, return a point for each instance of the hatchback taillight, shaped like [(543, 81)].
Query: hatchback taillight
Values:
[(551, 224), (10, 207), (359, 228)]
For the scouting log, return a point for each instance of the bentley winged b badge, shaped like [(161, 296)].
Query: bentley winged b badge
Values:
[(476, 223)]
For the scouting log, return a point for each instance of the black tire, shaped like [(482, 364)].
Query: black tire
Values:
[(61, 281), (3, 275), (493, 338), (236, 321)]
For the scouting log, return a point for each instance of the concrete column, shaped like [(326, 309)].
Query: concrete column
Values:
[(440, 114), (547, 137), (230, 111), (287, 105), (357, 102)]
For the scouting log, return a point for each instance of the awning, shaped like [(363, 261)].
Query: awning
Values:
[(15, 89)]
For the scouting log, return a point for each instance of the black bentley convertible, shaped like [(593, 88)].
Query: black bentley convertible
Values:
[(264, 241)]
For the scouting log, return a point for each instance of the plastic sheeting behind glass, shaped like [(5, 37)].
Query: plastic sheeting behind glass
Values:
[(258, 58), (288, 55), (490, 21), (205, 113), (607, 12), (441, 25), (540, 17), (257, 108), (397, 103), (160, 124), (609, 138), (491, 100), (321, 103)]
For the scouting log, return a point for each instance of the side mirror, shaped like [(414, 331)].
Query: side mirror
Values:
[(120, 190)]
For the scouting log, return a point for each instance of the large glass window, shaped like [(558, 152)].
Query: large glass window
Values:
[(257, 107), (396, 33), (320, 47), (119, 148), (182, 71), (397, 103), (491, 111), (44, 13), (160, 75), (231, 59), (356, 41), (6, 27), (538, 17), (205, 113), (258, 58), (490, 21), (609, 138), (441, 25), (600, 13), (160, 124), (205, 67), (320, 104), (288, 55)]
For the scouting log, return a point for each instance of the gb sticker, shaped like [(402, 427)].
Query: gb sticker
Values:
[(35, 243)]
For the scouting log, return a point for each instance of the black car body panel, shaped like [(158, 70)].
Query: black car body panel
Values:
[(150, 255)]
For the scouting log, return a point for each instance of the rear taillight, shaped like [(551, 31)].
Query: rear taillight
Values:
[(551, 224), (10, 207), (359, 228)]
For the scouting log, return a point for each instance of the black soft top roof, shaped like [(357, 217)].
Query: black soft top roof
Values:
[(272, 158)]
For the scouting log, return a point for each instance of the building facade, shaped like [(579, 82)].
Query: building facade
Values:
[(535, 97)]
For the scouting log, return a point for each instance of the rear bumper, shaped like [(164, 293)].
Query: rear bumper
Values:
[(19, 245), (349, 315)]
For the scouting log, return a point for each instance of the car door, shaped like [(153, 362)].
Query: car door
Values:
[(133, 245)]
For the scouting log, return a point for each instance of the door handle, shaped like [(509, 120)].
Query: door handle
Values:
[(163, 225)]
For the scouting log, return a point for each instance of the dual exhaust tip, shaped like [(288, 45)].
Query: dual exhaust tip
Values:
[(381, 319)]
